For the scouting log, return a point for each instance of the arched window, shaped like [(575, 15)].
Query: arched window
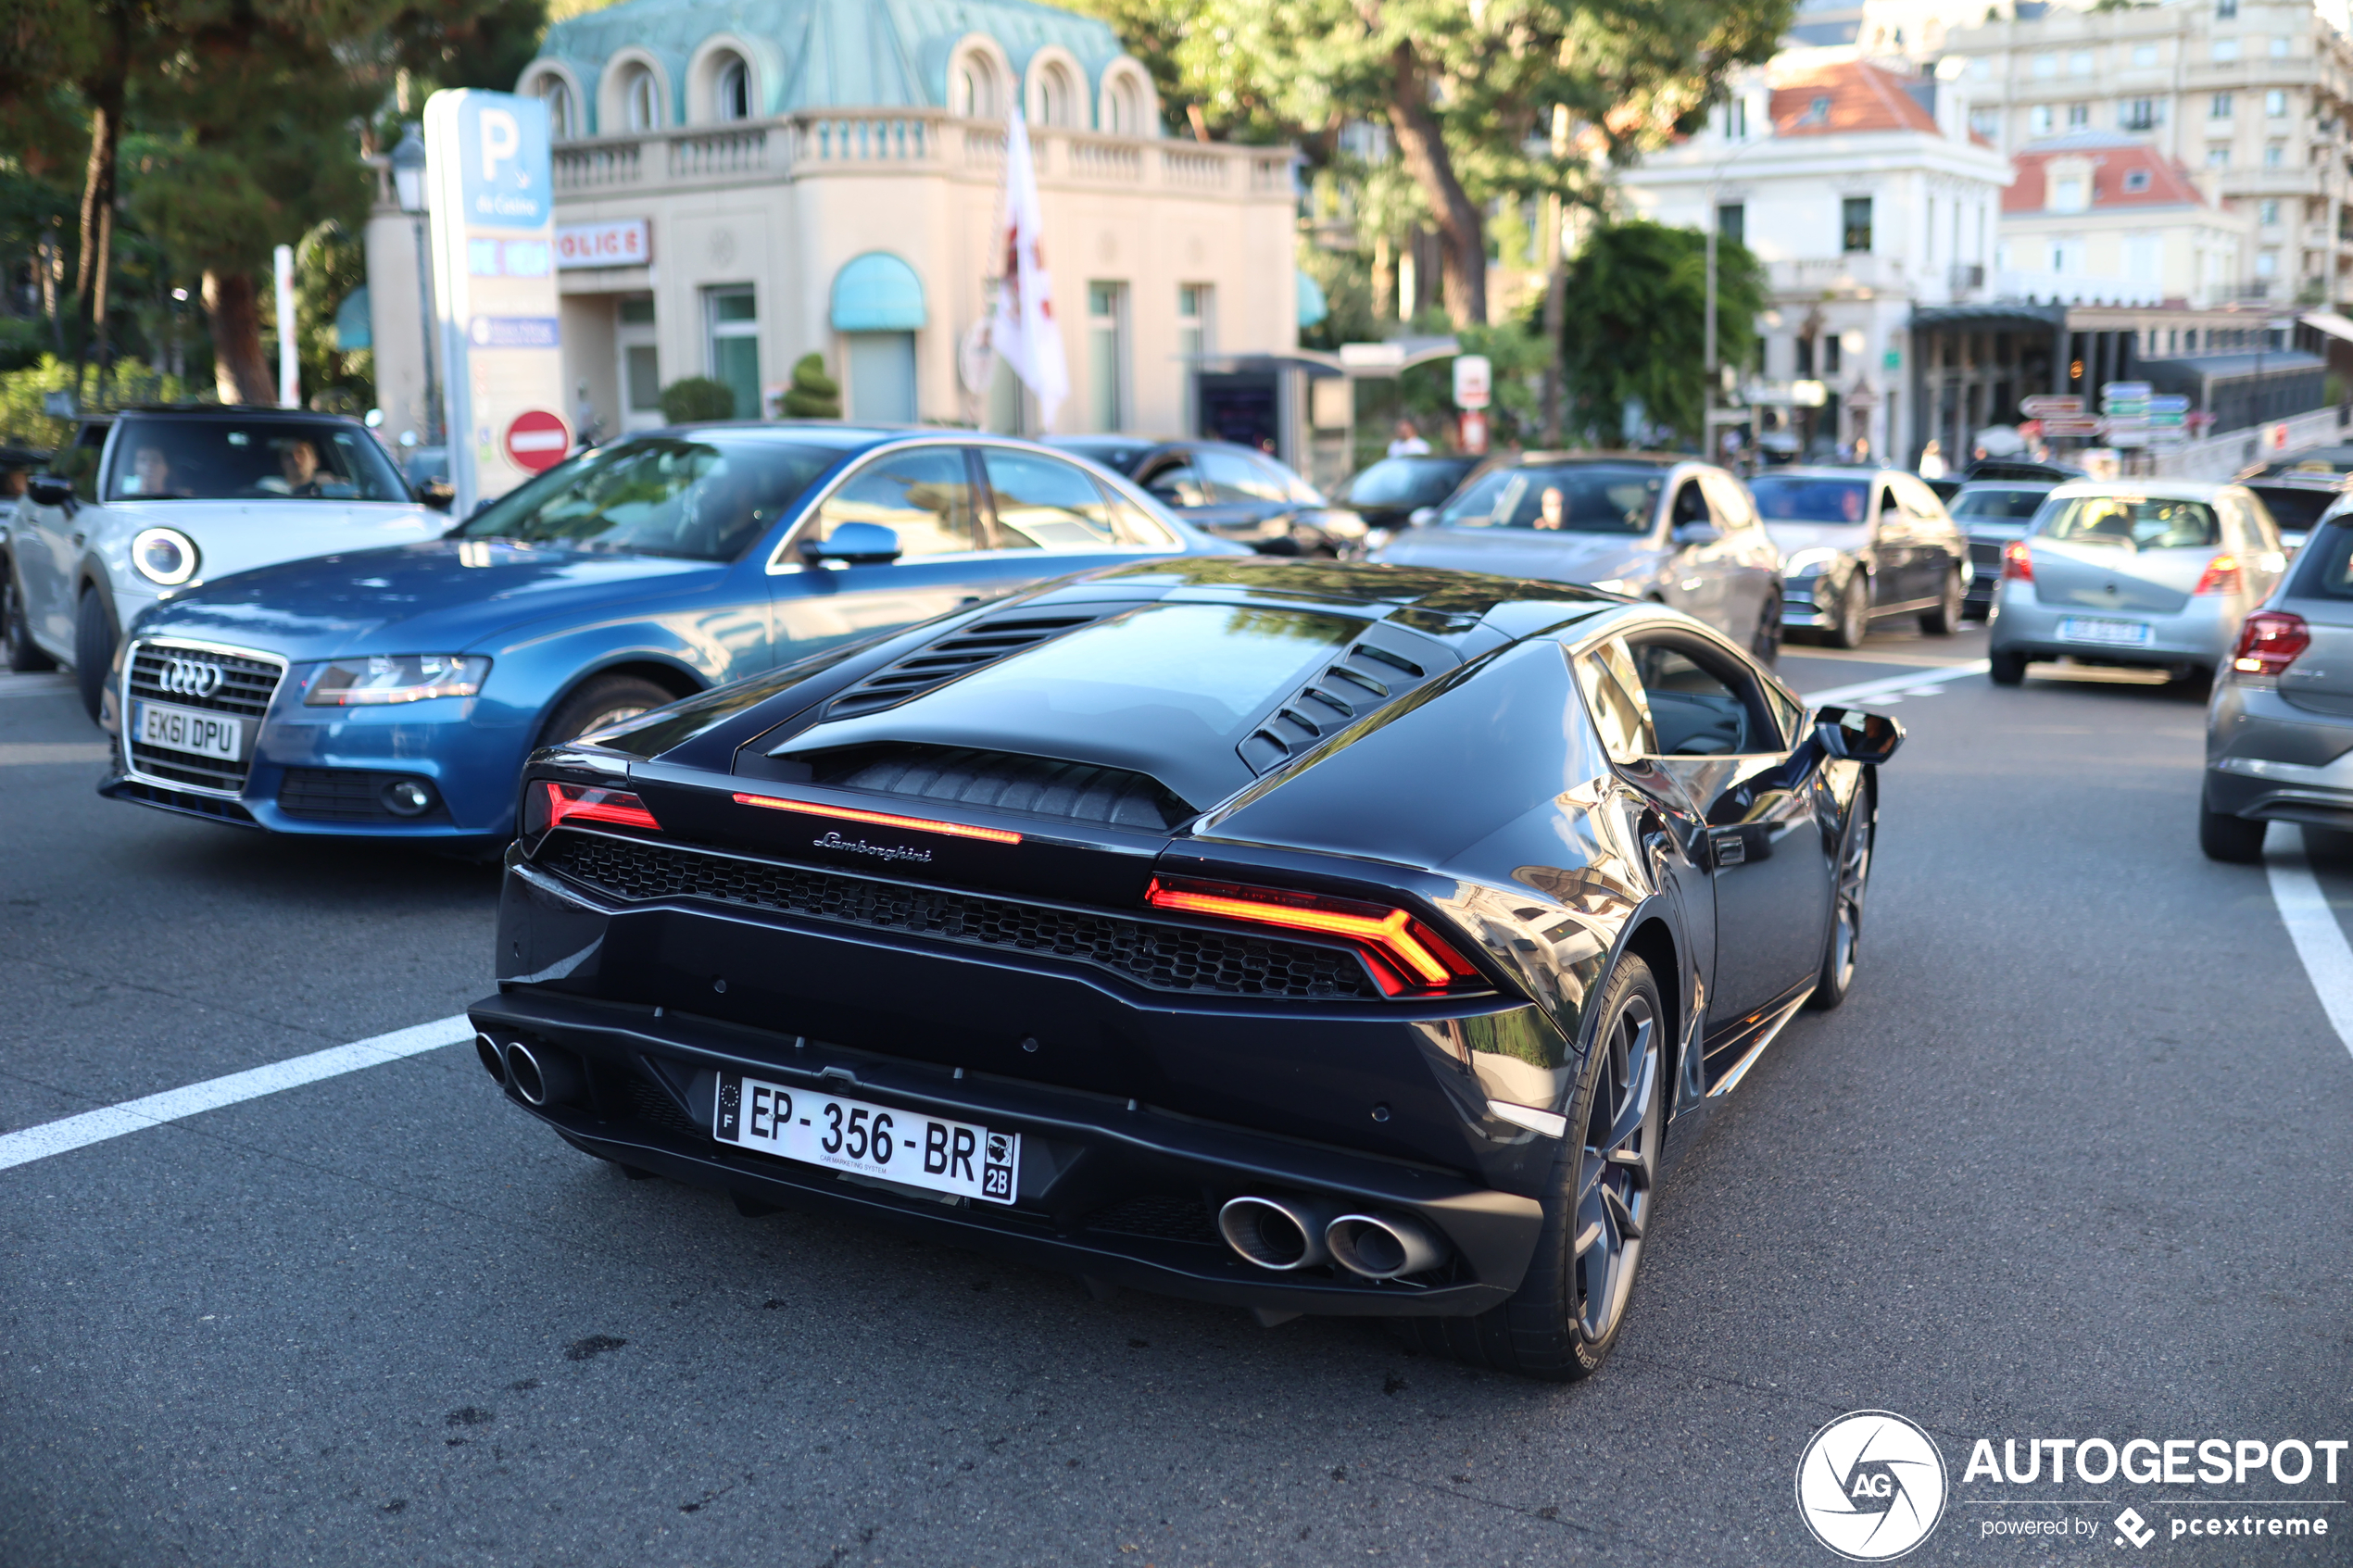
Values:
[(1124, 106), (562, 122), (1057, 96), (972, 87), (731, 98), (641, 100)]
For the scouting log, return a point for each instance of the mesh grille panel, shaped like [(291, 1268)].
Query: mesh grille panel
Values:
[(1165, 957)]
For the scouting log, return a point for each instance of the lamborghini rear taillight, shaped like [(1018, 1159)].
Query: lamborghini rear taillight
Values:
[(590, 803), (1405, 956)]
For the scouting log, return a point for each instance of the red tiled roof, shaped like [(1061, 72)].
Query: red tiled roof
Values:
[(2168, 184), (1853, 96)]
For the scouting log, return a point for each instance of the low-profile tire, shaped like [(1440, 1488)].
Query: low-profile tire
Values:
[(2006, 669), (1946, 619), (2233, 840), (1853, 622), (94, 639), (1766, 643), (25, 657), (1853, 873), (1562, 1321), (600, 703)]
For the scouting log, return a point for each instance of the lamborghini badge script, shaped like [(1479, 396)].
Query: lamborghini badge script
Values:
[(880, 851)]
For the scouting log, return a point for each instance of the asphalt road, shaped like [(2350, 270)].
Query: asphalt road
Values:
[(2073, 1161)]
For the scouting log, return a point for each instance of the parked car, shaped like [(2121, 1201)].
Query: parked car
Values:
[(2279, 730), (1230, 492), (1388, 494), (1992, 513), (2154, 574), (396, 693), (1646, 526), (153, 502), (2296, 502), (1267, 933), (1857, 544)]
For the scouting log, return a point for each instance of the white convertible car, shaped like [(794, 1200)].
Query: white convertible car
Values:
[(152, 500)]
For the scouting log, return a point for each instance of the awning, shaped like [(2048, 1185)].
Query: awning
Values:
[(352, 327), (1312, 309), (877, 293), (2329, 322)]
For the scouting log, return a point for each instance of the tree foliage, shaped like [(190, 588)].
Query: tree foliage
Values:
[(694, 399), (1637, 295), (813, 394)]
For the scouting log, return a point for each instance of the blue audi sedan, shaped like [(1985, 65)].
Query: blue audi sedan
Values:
[(395, 693)]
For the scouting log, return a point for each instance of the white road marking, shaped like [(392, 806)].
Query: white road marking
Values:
[(130, 1116), (35, 686), (2312, 925), (32, 753), (1896, 686)]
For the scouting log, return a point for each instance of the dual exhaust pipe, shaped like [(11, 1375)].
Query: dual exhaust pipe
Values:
[(1283, 1233), (540, 1075)]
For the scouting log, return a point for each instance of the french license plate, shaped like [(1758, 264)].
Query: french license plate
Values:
[(868, 1140), (2117, 633), (190, 730)]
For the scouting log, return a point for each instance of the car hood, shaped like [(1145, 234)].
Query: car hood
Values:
[(1791, 537), (235, 536), (444, 596), (1524, 552)]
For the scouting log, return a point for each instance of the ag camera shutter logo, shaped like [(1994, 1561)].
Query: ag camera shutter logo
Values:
[(1871, 1486)]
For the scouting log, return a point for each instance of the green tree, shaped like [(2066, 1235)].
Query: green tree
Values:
[(693, 399), (813, 394), (1637, 299), (1468, 90)]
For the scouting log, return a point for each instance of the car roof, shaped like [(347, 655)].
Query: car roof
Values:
[(2159, 489), (1599, 458), (1834, 471), (242, 412), (1969, 485)]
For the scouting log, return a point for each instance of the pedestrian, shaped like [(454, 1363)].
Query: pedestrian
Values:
[(1408, 441), (1863, 450), (1932, 460)]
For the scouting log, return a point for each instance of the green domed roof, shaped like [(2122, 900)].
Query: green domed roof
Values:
[(827, 53)]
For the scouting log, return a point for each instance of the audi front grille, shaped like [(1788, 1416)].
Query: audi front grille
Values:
[(195, 675)]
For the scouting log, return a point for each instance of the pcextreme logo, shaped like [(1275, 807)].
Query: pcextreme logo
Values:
[(1871, 1486)]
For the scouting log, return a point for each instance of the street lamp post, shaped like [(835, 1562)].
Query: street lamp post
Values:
[(415, 198), (1715, 218)]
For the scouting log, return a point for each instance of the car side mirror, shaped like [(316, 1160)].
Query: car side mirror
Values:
[(1853, 735), (856, 543), (49, 490), (440, 497), (1693, 535), (1421, 517)]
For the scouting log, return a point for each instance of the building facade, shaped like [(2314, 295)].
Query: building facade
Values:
[(2255, 93), (2100, 216), (1862, 202), (742, 182)]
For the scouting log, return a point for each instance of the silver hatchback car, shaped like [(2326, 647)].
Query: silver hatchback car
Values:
[(2279, 727), (2158, 574)]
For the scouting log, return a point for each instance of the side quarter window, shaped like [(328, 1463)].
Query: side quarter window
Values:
[(1044, 503), (1613, 698), (922, 494)]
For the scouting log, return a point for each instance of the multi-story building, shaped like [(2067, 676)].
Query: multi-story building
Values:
[(2256, 92), (2101, 216), (741, 182), (1861, 200)]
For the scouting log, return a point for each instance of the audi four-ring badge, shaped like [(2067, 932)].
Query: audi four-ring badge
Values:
[(1308, 938)]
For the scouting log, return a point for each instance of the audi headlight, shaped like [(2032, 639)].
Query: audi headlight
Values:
[(1809, 563), (165, 556), (403, 677)]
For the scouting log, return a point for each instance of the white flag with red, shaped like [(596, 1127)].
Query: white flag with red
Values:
[(1025, 333)]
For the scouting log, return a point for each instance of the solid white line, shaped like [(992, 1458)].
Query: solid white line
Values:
[(35, 752), (130, 1116), (2312, 925), (1863, 691)]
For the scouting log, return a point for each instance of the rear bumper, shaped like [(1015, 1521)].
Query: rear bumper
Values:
[(2201, 634), (2269, 761), (1114, 1191)]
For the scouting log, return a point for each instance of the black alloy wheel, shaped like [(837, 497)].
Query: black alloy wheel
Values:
[(93, 643), (599, 705), (1562, 1321), (1846, 907), (1946, 619), (1766, 643), (25, 657), (1853, 613)]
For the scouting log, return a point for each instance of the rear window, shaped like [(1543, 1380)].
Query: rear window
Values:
[(2000, 506), (1793, 499), (2140, 522), (228, 459), (1404, 481), (2293, 505), (1590, 498), (2324, 569)]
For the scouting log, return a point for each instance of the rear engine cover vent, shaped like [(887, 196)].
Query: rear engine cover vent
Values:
[(1365, 678), (960, 653), (1001, 781)]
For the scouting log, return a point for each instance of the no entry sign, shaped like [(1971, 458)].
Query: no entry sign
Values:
[(537, 440)]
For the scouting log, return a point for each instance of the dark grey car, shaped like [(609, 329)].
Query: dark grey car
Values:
[(2279, 727), (1991, 514)]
